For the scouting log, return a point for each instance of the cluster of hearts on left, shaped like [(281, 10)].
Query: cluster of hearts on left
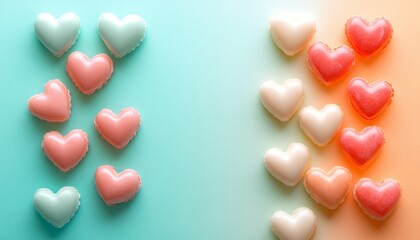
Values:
[(291, 33), (121, 36)]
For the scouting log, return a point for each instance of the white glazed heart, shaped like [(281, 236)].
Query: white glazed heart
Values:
[(288, 167), (292, 32), (321, 126), (282, 100), (300, 226)]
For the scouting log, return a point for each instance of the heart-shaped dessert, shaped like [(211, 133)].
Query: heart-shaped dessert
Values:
[(87, 74), (369, 100), (328, 188), (57, 35), (292, 33), (330, 65), (282, 100), (58, 208), (65, 152), (115, 188), (301, 225), (121, 36), (368, 38), (377, 200), (119, 129), (321, 126), (362, 147), (288, 167), (53, 105)]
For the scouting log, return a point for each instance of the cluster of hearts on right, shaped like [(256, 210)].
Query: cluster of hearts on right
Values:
[(291, 33)]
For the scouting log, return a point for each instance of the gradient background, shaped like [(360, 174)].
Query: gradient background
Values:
[(195, 80)]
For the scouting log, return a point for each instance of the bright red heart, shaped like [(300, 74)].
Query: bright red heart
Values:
[(362, 147), (330, 65), (368, 38), (369, 100), (377, 200)]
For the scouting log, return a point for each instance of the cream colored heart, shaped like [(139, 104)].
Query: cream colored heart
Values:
[(299, 226), (292, 32), (282, 100), (321, 126), (288, 167)]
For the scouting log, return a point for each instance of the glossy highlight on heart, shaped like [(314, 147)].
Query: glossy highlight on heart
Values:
[(300, 225)]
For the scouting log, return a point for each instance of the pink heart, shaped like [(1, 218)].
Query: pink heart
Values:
[(53, 105), (115, 188), (89, 74), (119, 129), (65, 152)]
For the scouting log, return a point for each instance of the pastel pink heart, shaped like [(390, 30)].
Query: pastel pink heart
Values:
[(115, 188), (53, 105), (87, 74), (119, 129), (65, 152)]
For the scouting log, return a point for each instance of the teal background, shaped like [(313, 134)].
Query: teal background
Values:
[(195, 81)]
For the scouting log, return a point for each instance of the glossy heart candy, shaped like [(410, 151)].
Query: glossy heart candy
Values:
[(292, 33), (115, 188), (87, 74), (53, 105), (362, 147), (328, 188), (301, 225), (59, 208), (282, 100), (288, 167), (119, 129), (65, 152), (57, 35), (368, 38), (121, 36), (377, 200), (330, 65), (369, 100)]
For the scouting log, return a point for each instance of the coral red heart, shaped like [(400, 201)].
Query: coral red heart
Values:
[(115, 188), (87, 74), (53, 105), (367, 38), (377, 200), (369, 100), (362, 147), (330, 65), (119, 129), (65, 152)]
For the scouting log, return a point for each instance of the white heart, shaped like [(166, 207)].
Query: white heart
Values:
[(321, 126), (300, 226), (282, 100), (288, 167), (292, 32)]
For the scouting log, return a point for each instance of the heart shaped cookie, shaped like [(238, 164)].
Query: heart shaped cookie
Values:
[(53, 105), (57, 35), (59, 208), (65, 152), (292, 33), (321, 126), (378, 201), (328, 188), (330, 65), (87, 74), (282, 100), (369, 100), (288, 167), (115, 188), (301, 225), (362, 147), (121, 36), (368, 38)]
